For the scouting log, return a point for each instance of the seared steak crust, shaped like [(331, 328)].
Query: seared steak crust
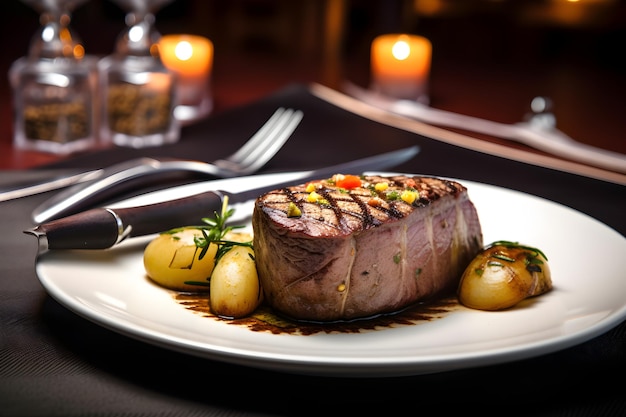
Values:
[(326, 253)]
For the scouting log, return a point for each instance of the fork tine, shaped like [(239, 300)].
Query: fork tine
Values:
[(274, 142), (259, 136)]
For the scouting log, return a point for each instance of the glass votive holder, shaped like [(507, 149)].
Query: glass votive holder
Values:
[(400, 66), (190, 57)]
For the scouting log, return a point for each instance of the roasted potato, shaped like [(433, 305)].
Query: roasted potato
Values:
[(503, 274), (235, 287), (173, 258)]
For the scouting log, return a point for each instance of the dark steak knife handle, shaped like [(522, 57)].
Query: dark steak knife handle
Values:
[(102, 228)]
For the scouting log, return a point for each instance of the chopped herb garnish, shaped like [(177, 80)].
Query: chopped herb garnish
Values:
[(393, 195), (397, 258), (503, 257), (509, 244)]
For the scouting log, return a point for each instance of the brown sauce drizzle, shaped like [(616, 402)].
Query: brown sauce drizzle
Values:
[(264, 319)]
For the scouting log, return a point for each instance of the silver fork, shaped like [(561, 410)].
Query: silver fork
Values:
[(248, 159), (136, 173), (261, 147)]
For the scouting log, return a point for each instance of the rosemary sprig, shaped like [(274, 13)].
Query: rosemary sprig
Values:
[(213, 231)]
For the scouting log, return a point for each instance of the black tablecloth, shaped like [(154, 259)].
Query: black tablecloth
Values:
[(55, 363)]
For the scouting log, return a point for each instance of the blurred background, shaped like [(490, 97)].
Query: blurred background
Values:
[(485, 52)]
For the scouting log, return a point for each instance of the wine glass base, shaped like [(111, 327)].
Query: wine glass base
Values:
[(130, 141), (52, 147), (187, 113)]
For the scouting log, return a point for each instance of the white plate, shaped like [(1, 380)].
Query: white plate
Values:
[(587, 262)]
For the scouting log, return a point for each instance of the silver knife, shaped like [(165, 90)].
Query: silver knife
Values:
[(102, 228), (83, 178), (42, 187)]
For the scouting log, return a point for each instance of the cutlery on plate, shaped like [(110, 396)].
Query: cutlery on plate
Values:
[(255, 153), (538, 131), (138, 173), (103, 228)]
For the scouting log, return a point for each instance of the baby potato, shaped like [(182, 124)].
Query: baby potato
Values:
[(502, 275), (235, 287), (172, 258)]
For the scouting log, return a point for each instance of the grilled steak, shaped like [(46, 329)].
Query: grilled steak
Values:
[(334, 250)]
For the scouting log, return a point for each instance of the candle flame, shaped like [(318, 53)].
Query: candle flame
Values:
[(187, 55), (401, 50), (183, 50)]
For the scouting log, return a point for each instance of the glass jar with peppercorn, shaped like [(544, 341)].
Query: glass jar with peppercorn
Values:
[(54, 86), (138, 91)]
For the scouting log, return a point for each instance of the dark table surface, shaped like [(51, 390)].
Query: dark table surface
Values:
[(55, 363)]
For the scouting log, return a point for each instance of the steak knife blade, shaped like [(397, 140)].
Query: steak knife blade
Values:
[(102, 228)]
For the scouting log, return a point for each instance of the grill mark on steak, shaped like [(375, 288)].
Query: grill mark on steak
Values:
[(342, 205), (335, 201)]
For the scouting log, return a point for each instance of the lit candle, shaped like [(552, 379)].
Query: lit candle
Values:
[(190, 57), (401, 66)]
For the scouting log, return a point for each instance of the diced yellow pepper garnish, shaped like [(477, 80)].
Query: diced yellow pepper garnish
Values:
[(409, 196), (293, 210), (381, 186), (313, 197), (310, 187)]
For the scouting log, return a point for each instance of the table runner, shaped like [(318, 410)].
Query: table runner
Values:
[(55, 363)]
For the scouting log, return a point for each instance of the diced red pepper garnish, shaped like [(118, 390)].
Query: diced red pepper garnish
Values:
[(347, 181)]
